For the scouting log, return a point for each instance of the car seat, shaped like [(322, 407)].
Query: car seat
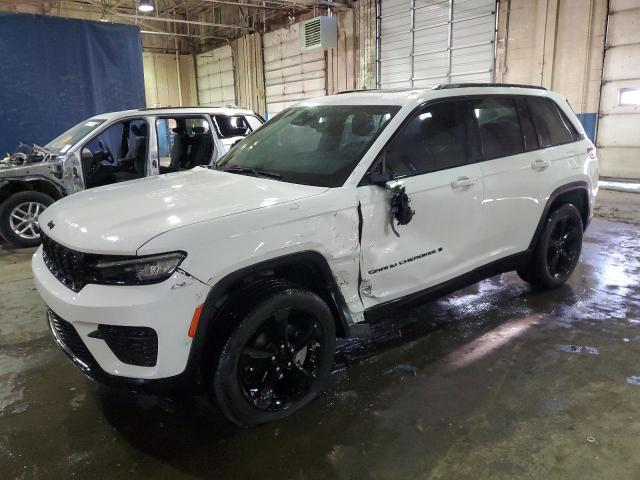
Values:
[(137, 154), (179, 149), (200, 146)]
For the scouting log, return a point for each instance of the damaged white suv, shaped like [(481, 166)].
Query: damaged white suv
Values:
[(241, 278)]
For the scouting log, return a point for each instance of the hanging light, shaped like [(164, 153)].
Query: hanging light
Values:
[(145, 6)]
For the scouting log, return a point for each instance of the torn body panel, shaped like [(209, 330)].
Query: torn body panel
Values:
[(326, 223)]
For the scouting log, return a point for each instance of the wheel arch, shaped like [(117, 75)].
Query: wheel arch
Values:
[(39, 184), (576, 193), (309, 269)]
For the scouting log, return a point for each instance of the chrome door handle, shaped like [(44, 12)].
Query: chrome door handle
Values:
[(540, 164), (464, 182)]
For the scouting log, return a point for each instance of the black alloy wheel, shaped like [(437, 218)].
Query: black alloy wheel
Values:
[(563, 247), (558, 249), (279, 363), (278, 355)]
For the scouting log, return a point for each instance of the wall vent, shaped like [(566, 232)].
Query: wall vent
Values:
[(319, 32)]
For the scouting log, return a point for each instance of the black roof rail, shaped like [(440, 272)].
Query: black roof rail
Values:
[(446, 86)]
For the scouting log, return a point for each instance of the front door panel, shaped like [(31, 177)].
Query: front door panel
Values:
[(437, 245)]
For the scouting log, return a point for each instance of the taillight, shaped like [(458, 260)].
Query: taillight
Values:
[(591, 152)]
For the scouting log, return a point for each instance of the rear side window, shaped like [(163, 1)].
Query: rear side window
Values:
[(498, 126), (434, 139), (552, 125), (230, 126)]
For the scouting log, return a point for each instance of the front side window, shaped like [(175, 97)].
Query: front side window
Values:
[(312, 145), (68, 139), (183, 143), (436, 138), (498, 126), (116, 154), (552, 125)]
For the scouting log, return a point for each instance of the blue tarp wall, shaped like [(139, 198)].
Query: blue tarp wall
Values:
[(588, 121), (56, 72)]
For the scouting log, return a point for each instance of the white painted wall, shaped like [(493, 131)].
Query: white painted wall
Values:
[(290, 74), (215, 76)]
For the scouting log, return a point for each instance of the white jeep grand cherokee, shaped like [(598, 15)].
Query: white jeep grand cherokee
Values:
[(239, 278)]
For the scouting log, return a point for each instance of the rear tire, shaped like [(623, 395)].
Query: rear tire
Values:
[(19, 218), (558, 249), (279, 356)]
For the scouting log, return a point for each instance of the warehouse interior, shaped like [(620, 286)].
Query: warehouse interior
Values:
[(497, 380)]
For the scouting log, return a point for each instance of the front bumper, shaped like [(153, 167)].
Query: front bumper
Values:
[(167, 308)]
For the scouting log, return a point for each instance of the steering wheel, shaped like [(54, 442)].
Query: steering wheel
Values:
[(105, 151)]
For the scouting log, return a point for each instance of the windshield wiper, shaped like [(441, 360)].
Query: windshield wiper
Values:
[(256, 172)]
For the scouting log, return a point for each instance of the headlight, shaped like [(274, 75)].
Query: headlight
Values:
[(135, 270)]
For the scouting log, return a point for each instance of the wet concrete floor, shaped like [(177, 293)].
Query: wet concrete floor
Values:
[(499, 382)]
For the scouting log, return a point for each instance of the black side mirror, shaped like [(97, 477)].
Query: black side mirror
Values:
[(380, 179)]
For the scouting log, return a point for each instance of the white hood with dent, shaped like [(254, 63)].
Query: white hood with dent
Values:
[(120, 218)]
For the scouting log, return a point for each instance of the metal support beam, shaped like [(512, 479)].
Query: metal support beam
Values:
[(179, 20)]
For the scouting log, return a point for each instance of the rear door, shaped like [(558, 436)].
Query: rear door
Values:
[(432, 156), (527, 148)]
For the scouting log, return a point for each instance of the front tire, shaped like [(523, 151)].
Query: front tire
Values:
[(278, 357), (19, 218), (557, 251)]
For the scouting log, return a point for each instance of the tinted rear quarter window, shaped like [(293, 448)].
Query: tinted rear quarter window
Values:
[(552, 125)]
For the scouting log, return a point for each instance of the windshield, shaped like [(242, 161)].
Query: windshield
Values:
[(312, 145), (72, 136)]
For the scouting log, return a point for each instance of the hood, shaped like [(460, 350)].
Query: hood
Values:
[(118, 219)]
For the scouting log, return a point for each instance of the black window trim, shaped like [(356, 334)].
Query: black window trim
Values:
[(468, 98)]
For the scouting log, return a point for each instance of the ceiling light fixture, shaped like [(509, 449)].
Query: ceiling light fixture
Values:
[(145, 6)]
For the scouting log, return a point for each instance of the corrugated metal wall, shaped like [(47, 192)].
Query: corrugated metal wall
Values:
[(619, 125), (290, 74), (427, 42), (161, 80), (215, 75)]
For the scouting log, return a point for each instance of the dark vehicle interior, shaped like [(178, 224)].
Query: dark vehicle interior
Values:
[(116, 155), (230, 126), (183, 143)]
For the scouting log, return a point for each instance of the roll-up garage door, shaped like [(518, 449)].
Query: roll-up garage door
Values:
[(618, 135), (290, 74), (427, 42), (215, 77)]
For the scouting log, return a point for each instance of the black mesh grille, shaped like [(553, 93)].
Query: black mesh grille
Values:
[(132, 345), (67, 334), (67, 265)]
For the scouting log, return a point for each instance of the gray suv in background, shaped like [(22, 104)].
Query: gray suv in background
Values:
[(111, 148)]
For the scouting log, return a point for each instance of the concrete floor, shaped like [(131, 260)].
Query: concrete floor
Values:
[(500, 382)]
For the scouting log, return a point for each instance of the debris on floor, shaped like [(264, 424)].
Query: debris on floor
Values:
[(578, 349)]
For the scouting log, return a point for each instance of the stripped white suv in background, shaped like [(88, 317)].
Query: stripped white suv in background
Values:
[(239, 278)]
